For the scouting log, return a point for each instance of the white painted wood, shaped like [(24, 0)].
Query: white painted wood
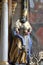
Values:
[(41, 1), (31, 4)]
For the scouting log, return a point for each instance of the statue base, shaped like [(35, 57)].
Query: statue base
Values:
[(4, 63)]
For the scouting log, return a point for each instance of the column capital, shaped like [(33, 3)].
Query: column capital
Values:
[(5, 1)]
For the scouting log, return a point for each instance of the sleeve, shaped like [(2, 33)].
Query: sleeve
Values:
[(18, 23)]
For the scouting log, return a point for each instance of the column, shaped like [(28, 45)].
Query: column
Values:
[(9, 22), (4, 34), (9, 11)]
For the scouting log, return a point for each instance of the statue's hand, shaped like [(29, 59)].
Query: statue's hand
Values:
[(17, 30)]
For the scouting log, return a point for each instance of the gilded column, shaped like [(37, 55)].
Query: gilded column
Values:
[(4, 34), (9, 10)]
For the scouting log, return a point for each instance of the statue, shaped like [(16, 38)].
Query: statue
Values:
[(22, 42), (25, 36)]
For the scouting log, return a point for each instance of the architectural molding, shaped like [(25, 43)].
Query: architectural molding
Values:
[(5, 1)]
